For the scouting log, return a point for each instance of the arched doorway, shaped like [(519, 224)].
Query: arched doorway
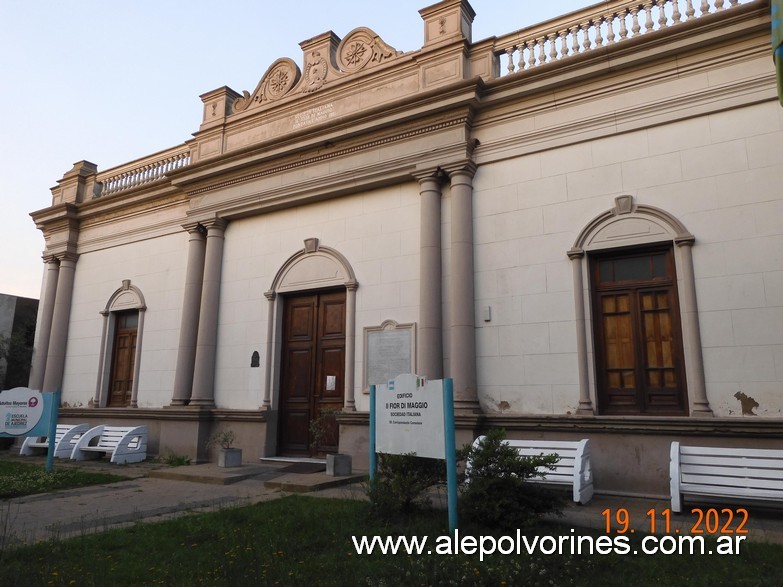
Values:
[(120, 359), (312, 317)]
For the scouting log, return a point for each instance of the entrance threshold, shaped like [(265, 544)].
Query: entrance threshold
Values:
[(292, 460)]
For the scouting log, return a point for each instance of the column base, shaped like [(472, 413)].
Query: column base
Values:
[(585, 409), (702, 410)]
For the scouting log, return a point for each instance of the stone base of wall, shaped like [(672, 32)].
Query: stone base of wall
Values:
[(630, 455), (183, 431)]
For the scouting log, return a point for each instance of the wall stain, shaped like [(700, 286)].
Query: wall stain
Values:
[(748, 404), (503, 406)]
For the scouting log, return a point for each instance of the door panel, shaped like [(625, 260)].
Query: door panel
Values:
[(313, 371), (639, 362), (123, 360)]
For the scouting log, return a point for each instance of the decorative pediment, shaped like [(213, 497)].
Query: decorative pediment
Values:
[(326, 59), (628, 223), (278, 80), (361, 49), (314, 267)]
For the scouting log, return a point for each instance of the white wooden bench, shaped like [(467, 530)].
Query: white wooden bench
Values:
[(65, 438), (126, 444), (573, 469), (747, 474)]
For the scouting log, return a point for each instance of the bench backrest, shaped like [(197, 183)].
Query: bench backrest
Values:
[(753, 469), (563, 471), (573, 467), (112, 435)]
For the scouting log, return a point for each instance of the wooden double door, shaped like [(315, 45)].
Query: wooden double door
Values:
[(638, 341), (312, 378), (123, 359)]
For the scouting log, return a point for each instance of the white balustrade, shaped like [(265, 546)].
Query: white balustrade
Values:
[(598, 26), (142, 172)]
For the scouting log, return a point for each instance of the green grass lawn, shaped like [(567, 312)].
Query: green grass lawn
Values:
[(301, 540), (17, 479)]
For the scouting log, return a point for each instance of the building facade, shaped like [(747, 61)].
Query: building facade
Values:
[(580, 223)]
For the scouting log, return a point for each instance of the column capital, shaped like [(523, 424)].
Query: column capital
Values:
[(203, 225), (195, 229), (67, 256), (460, 169), (430, 174), (214, 224), (685, 240), (352, 285), (576, 254), (270, 295)]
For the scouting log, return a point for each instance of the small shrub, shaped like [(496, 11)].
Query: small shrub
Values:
[(222, 438), (496, 492), (323, 428), (400, 484), (175, 460)]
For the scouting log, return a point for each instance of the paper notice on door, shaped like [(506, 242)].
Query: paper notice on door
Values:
[(331, 382)]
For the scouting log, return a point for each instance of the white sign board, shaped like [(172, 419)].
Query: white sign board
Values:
[(388, 355), (409, 417), (24, 412)]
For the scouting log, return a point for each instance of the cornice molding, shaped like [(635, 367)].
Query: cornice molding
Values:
[(273, 169)]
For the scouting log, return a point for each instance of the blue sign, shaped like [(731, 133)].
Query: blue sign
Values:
[(25, 412)]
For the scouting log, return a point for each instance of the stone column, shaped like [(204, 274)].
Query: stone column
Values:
[(204, 372), (585, 403), (191, 305), (104, 351), (55, 358), (45, 324), (134, 403), (270, 330), (430, 331), (462, 328), (350, 346), (690, 317)]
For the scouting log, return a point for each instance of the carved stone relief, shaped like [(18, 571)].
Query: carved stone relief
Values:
[(278, 80), (361, 49), (316, 70)]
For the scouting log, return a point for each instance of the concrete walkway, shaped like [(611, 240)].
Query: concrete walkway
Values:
[(157, 492)]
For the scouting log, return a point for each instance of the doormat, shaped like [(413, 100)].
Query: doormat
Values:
[(304, 468)]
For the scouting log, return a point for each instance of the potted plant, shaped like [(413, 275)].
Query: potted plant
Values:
[(228, 456), (323, 429)]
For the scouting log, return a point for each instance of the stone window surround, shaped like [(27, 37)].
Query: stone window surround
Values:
[(127, 297), (630, 224)]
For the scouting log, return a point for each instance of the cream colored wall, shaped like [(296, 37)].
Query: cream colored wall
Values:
[(376, 231), (157, 267), (719, 174)]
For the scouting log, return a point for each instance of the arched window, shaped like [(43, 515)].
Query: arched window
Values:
[(120, 357)]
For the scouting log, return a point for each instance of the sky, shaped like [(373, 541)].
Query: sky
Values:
[(110, 82)]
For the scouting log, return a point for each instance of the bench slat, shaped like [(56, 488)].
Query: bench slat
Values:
[(726, 461), (732, 452), (735, 472), (732, 482), (696, 489)]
